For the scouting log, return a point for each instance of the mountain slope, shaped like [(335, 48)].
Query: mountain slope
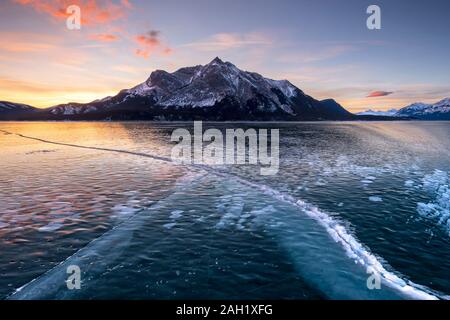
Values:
[(13, 111), (331, 107), (423, 111)]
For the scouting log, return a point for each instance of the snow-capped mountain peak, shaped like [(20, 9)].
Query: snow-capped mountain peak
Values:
[(418, 110), (216, 60), (417, 106), (443, 103), (207, 85)]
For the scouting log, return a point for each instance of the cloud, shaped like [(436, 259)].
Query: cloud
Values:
[(45, 94), (376, 94), (104, 37), (318, 54), (25, 47), (127, 4), (151, 43), (24, 42), (19, 85), (405, 94), (225, 41), (93, 12)]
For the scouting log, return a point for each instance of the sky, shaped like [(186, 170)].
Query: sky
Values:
[(322, 46)]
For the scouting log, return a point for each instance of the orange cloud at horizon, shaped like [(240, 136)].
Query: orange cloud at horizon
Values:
[(26, 42), (43, 96)]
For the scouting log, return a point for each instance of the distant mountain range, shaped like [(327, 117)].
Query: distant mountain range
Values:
[(217, 91), (422, 111), (370, 112), (437, 111)]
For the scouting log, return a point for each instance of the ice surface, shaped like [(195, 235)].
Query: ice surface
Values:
[(352, 247), (53, 226), (438, 184), (170, 225), (176, 214), (409, 183), (3, 225), (231, 208), (316, 242)]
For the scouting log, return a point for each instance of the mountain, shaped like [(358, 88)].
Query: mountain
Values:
[(11, 110), (418, 110), (217, 91), (334, 109), (6, 106), (370, 112), (424, 111)]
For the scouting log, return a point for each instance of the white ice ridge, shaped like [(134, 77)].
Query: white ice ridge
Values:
[(354, 249)]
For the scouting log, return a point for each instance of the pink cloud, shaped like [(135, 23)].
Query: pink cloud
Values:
[(127, 4), (23, 42), (93, 12), (226, 41), (151, 43), (104, 37), (376, 94)]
